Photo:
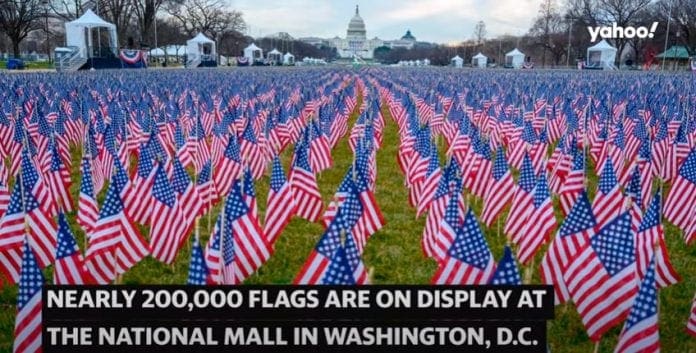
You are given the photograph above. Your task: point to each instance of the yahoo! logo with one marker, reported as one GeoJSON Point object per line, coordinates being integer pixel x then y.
{"type": "Point", "coordinates": [614, 31]}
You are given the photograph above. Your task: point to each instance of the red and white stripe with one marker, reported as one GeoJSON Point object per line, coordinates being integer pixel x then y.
{"type": "Point", "coordinates": [306, 194]}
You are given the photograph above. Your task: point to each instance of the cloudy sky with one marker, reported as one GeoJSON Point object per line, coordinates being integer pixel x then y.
{"type": "Point", "coordinates": [441, 21]}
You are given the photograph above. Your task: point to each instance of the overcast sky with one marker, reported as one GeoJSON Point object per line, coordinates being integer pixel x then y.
{"type": "Point", "coordinates": [441, 21]}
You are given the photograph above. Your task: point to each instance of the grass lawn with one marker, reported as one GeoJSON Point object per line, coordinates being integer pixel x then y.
{"type": "Point", "coordinates": [29, 65]}
{"type": "Point", "coordinates": [394, 254]}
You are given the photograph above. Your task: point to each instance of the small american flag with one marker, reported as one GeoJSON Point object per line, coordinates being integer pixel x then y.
{"type": "Point", "coordinates": [229, 168]}
{"type": "Point", "coordinates": [469, 260]}
{"type": "Point", "coordinates": [609, 200]}
{"type": "Point", "coordinates": [691, 325]}
{"type": "Point", "coordinates": [87, 210]}
{"type": "Point", "coordinates": [426, 189]}
{"type": "Point", "coordinates": [608, 263]}
{"type": "Point", "coordinates": [500, 192]}
{"type": "Point", "coordinates": [42, 227]}
{"type": "Point", "coordinates": [59, 182]}
{"type": "Point", "coordinates": [683, 195]}
{"type": "Point", "coordinates": [339, 271]}
{"type": "Point", "coordinates": [280, 206]}
{"type": "Point", "coordinates": [576, 230]}
{"type": "Point", "coordinates": [168, 227]}
{"type": "Point", "coordinates": [522, 202]}
{"type": "Point", "coordinates": [507, 273]}
{"type": "Point", "coordinates": [650, 244]}
{"type": "Point", "coordinates": [69, 266]}
{"type": "Point", "coordinates": [304, 186]}
{"type": "Point", "coordinates": [640, 332]}
{"type": "Point", "coordinates": [198, 270]}
{"type": "Point", "coordinates": [27, 332]}
{"type": "Point", "coordinates": [244, 246]}
{"type": "Point", "coordinates": [540, 223]}
{"type": "Point", "coordinates": [319, 260]}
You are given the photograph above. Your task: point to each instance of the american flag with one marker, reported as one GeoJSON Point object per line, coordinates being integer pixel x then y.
{"type": "Point", "coordinates": [187, 195]}
{"type": "Point", "coordinates": [206, 188]}
{"type": "Point", "coordinates": [251, 152]}
{"type": "Point", "coordinates": [304, 187]}
{"type": "Point", "coordinates": [522, 202]}
{"type": "Point", "coordinates": [198, 270]}
{"type": "Point", "coordinates": [346, 266]}
{"type": "Point", "coordinates": [500, 191]}
{"type": "Point", "coordinates": [229, 168]}
{"type": "Point", "coordinates": [640, 332]}
{"type": "Point", "coordinates": [507, 273]}
{"type": "Point", "coordinates": [447, 231]}
{"type": "Point", "coordinates": [213, 260]}
{"type": "Point", "coordinates": [137, 198]}
{"type": "Point", "coordinates": [168, 227]}
{"type": "Point", "coordinates": [12, 235]}
{"type": "Point", "coordinates": [602, 277]}
{"type": "Point", "coordinates": [116, 245]}
{"type": "Point", "coordinates": [448, 181]}
{"type": "Point", "coordinates": [319, 260]}
{"type": "Point", "coordinates": [540, 223]}
{"type": "Point", "coordinates": [244, 246]}
{"type": "Point", "coordinates": [280, 206]}
{"type": "Point", "coordinates": [4, 194]}
{"type": "Point", "coordinates": [319, 148]}
{"type": "Point", "coordinates": [87, 209]}
{"type": "Point", "coordinates": [69, 264]}
{"type": "Point", "coordinates": [650, 245]}
{"type": "Point", "coordinates": [683, 195]}
{"type": "Point", "coordinates": [27, 331]}
{"type": "Point", "coordinates": [469, 260]}
{"type": "Point", "coordinates": [418, 166]}
{"type": "Point", "coordinates": [609, 201]}
{"type": "Point", "coordinates": [577, 229]}
{"type": "Point", "coordinates": [59, 182]}
{"type": "Point", "coordinates": [249, 192]}
{"type": "Point", "coordinates": [691, 325]}
{"type": "Point", "coordinates": [425, 190]}
{"type": "Point", "coordinates": [574, 183]}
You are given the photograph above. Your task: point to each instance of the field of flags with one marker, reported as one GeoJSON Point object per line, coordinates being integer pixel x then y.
{"type": "Point", "coordinates": [586, 181]}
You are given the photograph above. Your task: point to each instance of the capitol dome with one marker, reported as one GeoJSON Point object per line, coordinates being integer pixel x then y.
{"type": "Point", "coordinates": [356, 26]}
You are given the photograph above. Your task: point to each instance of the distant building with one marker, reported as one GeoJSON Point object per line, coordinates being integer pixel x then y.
{"type": "Point", "coordinates": [356, 43]}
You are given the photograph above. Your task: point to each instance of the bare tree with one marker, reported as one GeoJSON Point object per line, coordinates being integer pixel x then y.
{"type": "Point", "coordinates": [118, 12]}
{"type": "Point", "coordinates": [146, 11]}
{"type": "Point", "coordinates": [19, 17]}
{"type": "Point", "coordinates": [69, 10]}
{"type": "Point", "coordinates": [211, 17]}
{"type": "Point", "coordinates": [480, 32]}
{"type": "Point", "coordinates": [548, 32]}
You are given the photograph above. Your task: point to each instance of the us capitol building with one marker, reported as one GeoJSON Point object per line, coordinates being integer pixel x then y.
{"type": "Point", "coordinates": [356, 44]}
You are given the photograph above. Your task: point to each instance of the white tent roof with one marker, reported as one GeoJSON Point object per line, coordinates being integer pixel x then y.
{"type": "Point", "coordinates": [90, 20]}
{"type": "Point", "coordinates": [289, 55]}
{"type": "Point", "coordinates": [274, 52]}
{"type": "Point", "coordinates": [200, 38]}
{"type": "Point", "coordinates": [457, 58]}
{"type": "Point", "coordinates": [75, 35]}
{"type": "Point", "coordinates": [602, 45]}
{"type": "Point", "coordinates": [480, 56]}
{"type": "Point", "coordinates": [515, 52]}
{"type": "Point", "coordinates": [252, 46]}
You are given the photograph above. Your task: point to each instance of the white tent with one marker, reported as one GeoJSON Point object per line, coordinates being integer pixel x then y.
{"type": "Point", "coordinates": [275, 56]}
{"type": "Point", "coordinates": [479, 60]}
{"type": "Point", "coordinates": [601, 55]}
{"type": "Point", "coordinates": [200, 48]}
{"type": "Point", "coordinates": [514, 59]}
{"type": "Point", "coordinates": [457, 61]}
{"type": "Point", "coordinates": [288, 59]}
{"type": "Point", "coordinates": [78, 33]}
{"type": "Point", "coordinates": [253, 53]}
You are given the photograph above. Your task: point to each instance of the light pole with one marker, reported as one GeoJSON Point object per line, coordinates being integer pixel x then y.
{"type": "Point", "coordinates": [48, 44]}
{"type": "Point", "coordinates": [669, 19]}
{"type": "Point", "coordinates": [570, 27]}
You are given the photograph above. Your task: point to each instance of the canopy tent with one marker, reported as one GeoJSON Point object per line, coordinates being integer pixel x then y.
{"type": "Point", "coordinates": [78, 33]}
{"type": "Point", "coordinates": [200, 47]}
{"type": "Point", "coordinates": [457, 61]}
{"type": "Point", "coordinates": [479, 60]}
{"type": "Point", "coordinates": [274, 57]}
{"type": "Point", "coordinates": [288, 59]}
{"type": "Point", "coordinates": [253, 53]}
{"type": "Point", "coordinates": [601, 56]}
{"type": "Point", "coordinates": [676, 56]}
{"type": "Point", "coordinates": [170, 50]}
{"type": "Point", "coordinates": [514, 59]}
